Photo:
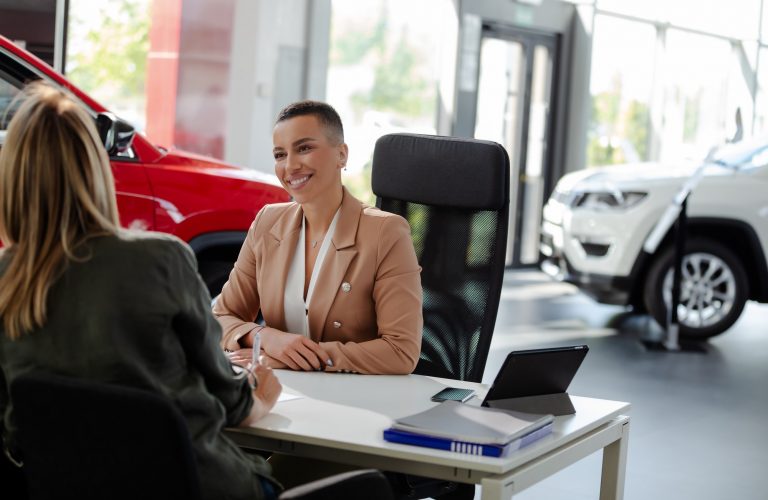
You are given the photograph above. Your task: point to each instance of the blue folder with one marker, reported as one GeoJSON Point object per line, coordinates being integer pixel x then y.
{"type": "Point", "coordinates": [488, 450]}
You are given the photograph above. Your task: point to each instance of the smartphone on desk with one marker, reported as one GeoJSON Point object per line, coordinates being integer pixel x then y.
{"type": "Point", "coordinates": [453, 394]}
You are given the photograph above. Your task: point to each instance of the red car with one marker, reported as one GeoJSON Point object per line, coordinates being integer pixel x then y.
{"type": "Point", "coordinates": [203, 201]}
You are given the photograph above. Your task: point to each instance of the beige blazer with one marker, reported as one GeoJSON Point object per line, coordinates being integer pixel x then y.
{"type": "Point", "coordinates": [366, 307]}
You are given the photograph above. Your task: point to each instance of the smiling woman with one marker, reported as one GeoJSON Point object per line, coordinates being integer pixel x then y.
{"type": "Point", "coordinates": [337, 281]}
{"type": "Point", "coordinates": [309, 153]}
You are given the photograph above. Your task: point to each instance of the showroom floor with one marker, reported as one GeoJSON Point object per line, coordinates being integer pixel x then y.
{"type": "Point", "coordinates": [699, 427]}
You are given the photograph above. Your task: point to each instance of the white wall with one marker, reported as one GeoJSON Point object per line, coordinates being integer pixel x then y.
{"type": "Point", "coordinates": [269, 70]}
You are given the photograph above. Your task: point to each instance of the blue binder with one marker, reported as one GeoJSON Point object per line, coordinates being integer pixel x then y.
{"type": "Point", "coordinates": [488, 450]}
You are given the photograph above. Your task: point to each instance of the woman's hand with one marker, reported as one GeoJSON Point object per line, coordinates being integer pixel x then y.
{"type": "Point", "coordinates": [268, 389]}
{"type": "Point", "coordinates": [241, 357]}
{"type": "Point", "coordinates": [271, 362]}
{"type": "Point", "coordinates": [264, 395]}
{"type": "Point", "coordinates": [294, 351]}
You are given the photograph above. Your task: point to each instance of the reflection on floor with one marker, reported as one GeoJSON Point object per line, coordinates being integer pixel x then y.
{"type": "Point", "coordinates": [699, 428]}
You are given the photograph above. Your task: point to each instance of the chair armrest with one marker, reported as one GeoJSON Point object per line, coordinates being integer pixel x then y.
{"type": "Point", "coordinates": [367, 483]}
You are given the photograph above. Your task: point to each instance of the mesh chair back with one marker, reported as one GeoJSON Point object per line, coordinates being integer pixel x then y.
{"type": "Point", "coordinates": [83, 439]}
{"type": "Point", "coordinates": [454, 192]}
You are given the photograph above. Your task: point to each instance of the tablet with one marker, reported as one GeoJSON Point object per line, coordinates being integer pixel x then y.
{"type": "Point", "coordinates": [536, 372]}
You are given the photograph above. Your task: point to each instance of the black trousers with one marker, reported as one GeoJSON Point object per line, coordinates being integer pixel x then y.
{"type": "Point", "coordinates": [14, 484]}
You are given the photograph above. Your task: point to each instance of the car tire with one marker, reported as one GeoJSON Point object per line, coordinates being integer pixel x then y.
{"type": "Point", "coordinates": [214, 273]}
{"type": "Point", "coordinates": [714, 288]}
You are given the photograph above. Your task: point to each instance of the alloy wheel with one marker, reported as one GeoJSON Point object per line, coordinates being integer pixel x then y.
{"type": "Point", "coordinates": [707, 290]}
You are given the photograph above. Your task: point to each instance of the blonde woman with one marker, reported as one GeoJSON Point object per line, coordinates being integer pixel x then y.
{"type": "Point", "coordinates": [81, 297]}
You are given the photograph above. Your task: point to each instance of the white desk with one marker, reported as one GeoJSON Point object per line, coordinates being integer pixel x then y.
{"type": "Point", "coordinates": [341, 417]}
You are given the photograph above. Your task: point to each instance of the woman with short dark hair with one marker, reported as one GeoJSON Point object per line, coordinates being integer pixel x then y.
{"type": "Point", "coordinates": [337, 281]}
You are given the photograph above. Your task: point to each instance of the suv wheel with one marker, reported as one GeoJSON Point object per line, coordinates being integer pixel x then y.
{"type": "Point", "coordinates": [214, 273]}
{"type": "Point", "coordinates": [713, 290]}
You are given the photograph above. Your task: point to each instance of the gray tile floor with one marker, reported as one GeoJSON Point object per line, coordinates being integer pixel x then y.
{"type": "Point", "coordinates": [699, 427]}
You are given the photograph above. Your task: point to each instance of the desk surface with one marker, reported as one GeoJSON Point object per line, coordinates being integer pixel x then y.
{"type": "Point", "coordinates": [349, 412]}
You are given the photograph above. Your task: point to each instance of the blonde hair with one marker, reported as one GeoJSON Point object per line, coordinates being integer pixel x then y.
{"type": "Point", "coordinates": [56, 191]}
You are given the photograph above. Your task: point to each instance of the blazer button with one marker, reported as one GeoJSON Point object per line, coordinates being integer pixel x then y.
{"type": "Point", "coordinates": [346, 287]}
{"type": "Point", "coordinates": [337, 324]}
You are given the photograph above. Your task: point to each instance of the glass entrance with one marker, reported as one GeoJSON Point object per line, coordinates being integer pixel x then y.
{"type": "Point", "coordinates": [515, 96]}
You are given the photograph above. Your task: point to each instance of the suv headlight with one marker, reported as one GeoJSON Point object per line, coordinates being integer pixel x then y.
{"type": "Point", "coordinates": [607, 200]}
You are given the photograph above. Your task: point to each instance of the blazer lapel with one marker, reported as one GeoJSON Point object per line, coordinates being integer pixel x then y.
{"type": "Point", "coordinates": [337, 261]}
{"type": "Point", "coordinates": [279, 248]}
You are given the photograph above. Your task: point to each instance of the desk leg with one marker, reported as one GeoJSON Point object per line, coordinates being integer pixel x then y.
{"type": "Point", "coordinates": [497, 489]}
{"type": "Point", "coordinates": [614, 467]}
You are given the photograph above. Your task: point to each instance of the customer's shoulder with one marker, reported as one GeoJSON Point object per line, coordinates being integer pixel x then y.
{"type": "Point", "coordinates": [144, 243]}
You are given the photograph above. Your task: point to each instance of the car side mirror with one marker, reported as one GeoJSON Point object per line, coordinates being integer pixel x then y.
{"type": "Point", "coordinates": [116, 134]}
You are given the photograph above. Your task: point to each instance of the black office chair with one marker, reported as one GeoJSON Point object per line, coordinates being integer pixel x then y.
{"type": "Point", "coordinates": [83, 439]}
{"type": "Point", "coordinates": [454, 192]}
{"type": "Point", "coordinates": [12, 482]}
{"type": "Point", "coordinates": [88, 440]}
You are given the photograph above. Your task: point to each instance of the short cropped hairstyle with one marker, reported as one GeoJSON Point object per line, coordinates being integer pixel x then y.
{"type": "Point", "coordinates": [325, 114]}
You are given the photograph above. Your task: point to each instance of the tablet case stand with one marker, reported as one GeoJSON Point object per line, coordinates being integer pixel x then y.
{"type": "Point", "coordinates": [555, 404]}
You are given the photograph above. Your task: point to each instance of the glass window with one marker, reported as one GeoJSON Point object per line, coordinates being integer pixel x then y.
{"type": "Point", "coordinates": [647, 9]}
{"type": "Point", "coordinates": [733, 18]}
{"type": "Point", "coordinates": [12, 79]}
{"type": "Point", "coordinates": [621, 86]}
{"type": "Point", "coordinates": [383, 74]}
{"type": "Point", "coordinates": [502, 76]}
{"type": "Point", "coordinates": [741, 90]}
{"type": "Point", "coordinates": [704, 87]}
{"type": "Point", "coordinates": [764, 23]}
{"type": "Point", "coordinates": [8, 92]}
{"type": "Point", "coordinates": [761, 107]}
{"type": "Point", "coordinates": [107, 46]}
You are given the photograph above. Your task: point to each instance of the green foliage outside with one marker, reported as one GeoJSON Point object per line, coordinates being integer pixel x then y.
{"type": "Point", "coordinates": [605, 108]}
{"type": "Point", "coordinates": [399, 86]}
{"type": "Point", "coordinates": [355, 44]}
{"type": "Point", "coordinates": [691, 117]}
{"type": "Point", "coordinates": [114, 62]}
{"type": "Point", "coordinates": [638, 123]}
{"type": "Point", "coordinates": [359, 184]}
{"type": "Point", "coordinates": [417, 219]}
{"type": "Point", "coordinates": [613, 121]}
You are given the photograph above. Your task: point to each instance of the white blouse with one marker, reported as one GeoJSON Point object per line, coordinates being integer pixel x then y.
{"type": "Point", "coordinates": [296, 307]}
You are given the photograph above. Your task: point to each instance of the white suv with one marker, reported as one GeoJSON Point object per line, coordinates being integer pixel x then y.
{"type": "Point", "coordinates": [597, 221]}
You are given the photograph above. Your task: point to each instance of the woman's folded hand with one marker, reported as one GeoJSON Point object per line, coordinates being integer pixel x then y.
{"type": "Point", "coordinates": [294, 351]}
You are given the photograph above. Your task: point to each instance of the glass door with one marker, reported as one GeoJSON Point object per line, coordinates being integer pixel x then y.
{"type": "Point", "coordinates": [515, 95]}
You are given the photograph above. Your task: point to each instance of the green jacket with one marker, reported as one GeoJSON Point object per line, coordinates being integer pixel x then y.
{"type": "Point", "coordinates": [136, 313]}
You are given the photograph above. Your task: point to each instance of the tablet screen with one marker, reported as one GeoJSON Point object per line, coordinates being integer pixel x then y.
{"type": "Point", "coordinates": [536, 371]}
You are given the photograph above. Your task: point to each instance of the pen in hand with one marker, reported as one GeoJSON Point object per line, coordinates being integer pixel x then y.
{"type": "Point", "coordinates": [254, 364]}
{"type": "Point", "coordinates": [256, 349]}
